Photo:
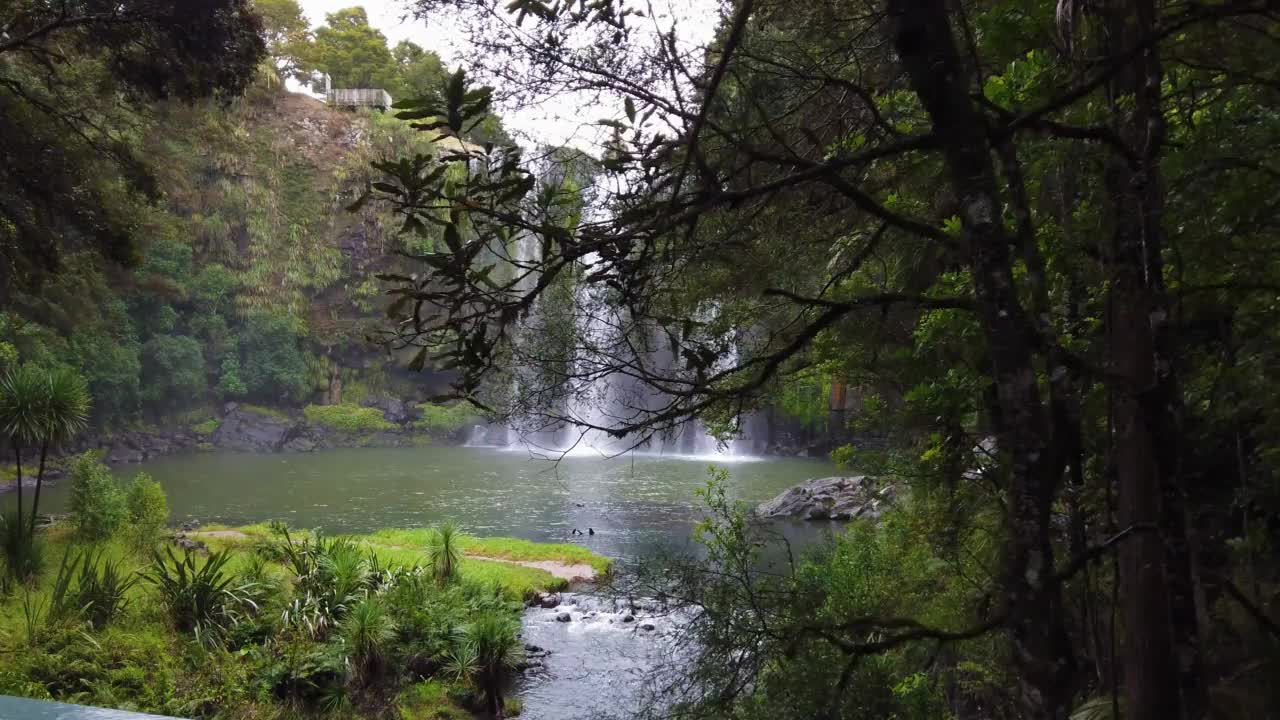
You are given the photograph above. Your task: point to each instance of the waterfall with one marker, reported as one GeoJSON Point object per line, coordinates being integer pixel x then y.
{"type": "Point", "coordinates": [598, 394]}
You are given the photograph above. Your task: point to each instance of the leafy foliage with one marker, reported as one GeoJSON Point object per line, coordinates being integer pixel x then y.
{"type": "Point", "coordinates": [273, 364]}
{"type": "Point", "coordinates": [176, 364]}
{"type": "Point", "coordinates": [444, 552]}
{"type": "Point", "coordinates": [444, 420]}
{"type": "Point", "coordinates": [348, 418]}
{"type": "Point", "coordinates": [148, 510]}
{"type": "Point", "coordinates": [368, 630]}
{"type": "Point", "coordinates": [97, 505]}
{"type": "Point", "coordinates": [22, 552]}
{"type": "Point", "coordinates": [204, 598]}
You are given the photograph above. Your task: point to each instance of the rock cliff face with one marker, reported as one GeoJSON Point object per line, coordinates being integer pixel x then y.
{"type": "Point", "coordinates": [833, 498]}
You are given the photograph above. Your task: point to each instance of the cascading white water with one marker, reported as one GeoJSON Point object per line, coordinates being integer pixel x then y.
{"type": "Point", "coordinates": [599, 395]}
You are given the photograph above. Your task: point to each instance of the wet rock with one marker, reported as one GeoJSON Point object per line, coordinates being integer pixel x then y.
{"type": "Point", "coordinates": [51, 519]}
{"type": "Point", "coordinates": [28, 482]}
{"type": "Point", "coordinates": [248, 431]}
{"type": "Point", "coordinates": [299, 443]}
{"type": "Point", "coordinates": [648, 627]}
{"type": "Point", "coordinates": [190, 525]}
{"type": "Point", "coordinates": [124, 455]}
{"type": "Point", "coordinates": [628, 618]}
{"type": "Point", "coordinates": [187, 543]}
{"type": "Point", "coordinates": [833, 498]}
{"type": "Point", "coordinates": [564, 617]}
{"type": "Point", "coordinates": [549, 601]}
{"type": "Point", "coordinates": [396, 411]}
{"type": "Point", "coordinates": [532, 649]}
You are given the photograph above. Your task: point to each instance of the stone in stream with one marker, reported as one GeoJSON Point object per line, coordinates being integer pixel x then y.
{"type": "Point", "coordinates": [648, 626]}
{"type": "Point", "coordinates": [628, 618]}
{"type": "Point", "coordinates": [833, 498]}
{"type": "Point", "coordinates": [564, 617]}
{"type": "Point", "coordinates": [549, 601]}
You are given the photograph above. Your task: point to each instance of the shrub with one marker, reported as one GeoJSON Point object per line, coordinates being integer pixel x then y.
{"type": "Point", "coordinates": [432, 699]}
{"type": "Point", "coordinates": [100, 593]}
{"type": "Point", "coordinates": [23, 553]}
{"type": "Point", "coordinates": [148, 510]}
{"type": "Point", "coordinates": [444, 552]}
{"type": "Point", "coordinates": [205, 599]}
{"type": "Point", "coordinates": [229, 382]}
{"type": "Point", "coordinates": [348, 418]}
{"type": "Point", "coordinates": [368, 631]}
{"type": "Point", "coordinates": [331, 577]}
{"type": "Point", "coordinates": [487, 653]}
{"type": "Point", "coordinates": [97, 504]}
{"type": "Point", "coordinates": [207, 428]}
{"type": "Point", "coordinates": [445, 419]}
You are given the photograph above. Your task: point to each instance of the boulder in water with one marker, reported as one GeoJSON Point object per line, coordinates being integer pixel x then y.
{"type": "Point", "coordinates": [833, 498]}
{"type": "Point", "coordinates": [549, 601]}
{"type": "Point", "coordinates": [564, 617]}
{"type": "Point", "coordinates": [648, 627]}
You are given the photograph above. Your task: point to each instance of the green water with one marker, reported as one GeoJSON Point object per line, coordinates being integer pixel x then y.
{"type": "Point", "coordinates": [632, 504]}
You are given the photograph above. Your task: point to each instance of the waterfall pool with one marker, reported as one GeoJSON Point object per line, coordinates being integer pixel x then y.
{"type": "Point", "coordinates": [598, 663]}
{"type": "Point", "coordinates": [633, 504]}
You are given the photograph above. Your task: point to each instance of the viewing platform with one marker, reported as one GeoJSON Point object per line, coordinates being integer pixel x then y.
{"type": "Point", "coordinates": [358, 98]}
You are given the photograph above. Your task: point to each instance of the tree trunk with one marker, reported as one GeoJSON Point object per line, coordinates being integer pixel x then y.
{"type": "Point", "coordinates": [35, 503]}
{"type": "Point", "coordinates": [1038, 639]}
{"type": "Point", "coordinates": [1161, 667]}
{"type": "Point", "coordinates": [17, 454]}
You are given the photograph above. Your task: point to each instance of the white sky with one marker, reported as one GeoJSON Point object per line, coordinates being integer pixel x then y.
{"type": "Point", "coordinates": [558, 122]}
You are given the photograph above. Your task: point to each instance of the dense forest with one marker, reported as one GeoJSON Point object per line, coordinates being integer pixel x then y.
{"type": "Point", "coordinates": [209, 258]}
{"type": "Point", "coordinates": [1014, 262]}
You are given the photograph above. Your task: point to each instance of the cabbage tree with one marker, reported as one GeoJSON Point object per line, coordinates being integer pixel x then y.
{"type": "Point", "coordinates": [40, 408]}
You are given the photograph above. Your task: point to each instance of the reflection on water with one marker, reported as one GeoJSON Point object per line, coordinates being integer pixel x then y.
{"type": "Point", "coordinates": [634, 504]}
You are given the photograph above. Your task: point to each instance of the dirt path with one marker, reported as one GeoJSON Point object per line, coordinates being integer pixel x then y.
{"type": "Point", "coordinates": [580, 572]}
{"type": "Point", "coordinates": [573, 572]}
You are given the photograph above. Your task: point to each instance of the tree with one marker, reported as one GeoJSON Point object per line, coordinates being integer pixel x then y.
{"type": "Point", "coordinates": [272, 364]}
{"type": "Point", "coordinates": [353, 53]}
{"type": "Point", "coordinates": [174, 368]}
{"type": "Point", "coordinates": [824, 174]}
{"type": "Point", "coordinates": [420, 73]}
{"type": "Point", "coordinates": [44, 408]}
{"type": "Point", "coordinates": [64, 67]}
{"type": "Point", "coordinates": [287, 32]}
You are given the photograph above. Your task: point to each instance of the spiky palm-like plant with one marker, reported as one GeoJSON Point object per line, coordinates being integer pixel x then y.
{"type": "Point", "coordinates": [66, 414]}
{"type": "Point", "coordinates": [23, 414]}
{"type": "Point", "coordinates": [444, 551]}
{"type": "Point", "coordinates": [39, 407]}
{"type": "Point", "coordinates": [368, 630]}
{"type": "Point", "coordinates": [491, 644]}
